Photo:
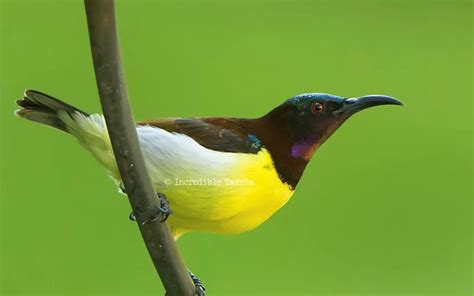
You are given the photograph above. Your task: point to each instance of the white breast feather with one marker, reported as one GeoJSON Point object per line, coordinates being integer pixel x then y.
{"type": "Point", "coordinates": [172, 155]}
{"type": "Point", "coordinates": [168, 156]}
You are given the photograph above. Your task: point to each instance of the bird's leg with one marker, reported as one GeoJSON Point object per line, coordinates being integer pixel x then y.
{"type": "Point", "coordinates": [200, 289]}
{"type": "Point", "coordinates": [161, 212]}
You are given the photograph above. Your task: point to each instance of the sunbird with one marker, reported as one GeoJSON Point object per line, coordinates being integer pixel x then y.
{"type": "Point", "coordinates": [216, 174]}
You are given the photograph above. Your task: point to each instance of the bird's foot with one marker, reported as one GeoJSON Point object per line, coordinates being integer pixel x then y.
{"type": "Point", "coordinates": [200, 289]}
{"type": "Point", "coordinates": [161, 212]}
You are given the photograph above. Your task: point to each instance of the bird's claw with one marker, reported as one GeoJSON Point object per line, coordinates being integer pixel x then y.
{"type": "Point", "coordinates": [200, 289]}
{"type": "Point", "coordinates": [161, 212]}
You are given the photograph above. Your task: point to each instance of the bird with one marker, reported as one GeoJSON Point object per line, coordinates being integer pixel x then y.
{"type": "Point", "coordinates": [215, 174]}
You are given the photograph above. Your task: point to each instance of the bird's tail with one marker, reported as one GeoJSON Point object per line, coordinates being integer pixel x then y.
{"type": "Point", "coordinates": [42, 108]}
{"type": "Point", "coordinates": [89, 129]}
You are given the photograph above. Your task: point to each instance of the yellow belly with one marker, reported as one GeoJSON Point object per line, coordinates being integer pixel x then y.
{"type": "Point", "coordinates": [235, 200]}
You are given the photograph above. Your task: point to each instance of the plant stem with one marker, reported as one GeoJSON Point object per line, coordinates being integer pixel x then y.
{"type": "Point", "coordinates": [123, 135]}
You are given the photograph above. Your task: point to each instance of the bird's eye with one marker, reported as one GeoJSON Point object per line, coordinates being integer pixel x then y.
{"type": "Point", "coordinates": [317, 107]}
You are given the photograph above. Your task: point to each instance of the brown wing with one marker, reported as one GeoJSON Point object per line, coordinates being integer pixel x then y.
{"type": "Point", "coordinates": [219, 134]}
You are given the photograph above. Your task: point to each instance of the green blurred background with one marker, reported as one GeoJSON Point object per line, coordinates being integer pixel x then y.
{"type": "Point", "coordinates": [384, 208]}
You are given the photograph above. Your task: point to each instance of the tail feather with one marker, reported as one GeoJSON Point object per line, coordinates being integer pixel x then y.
{"type": "Point", "coordinates": [89, 129]}
{"type": "Point", "coordinates": [42, 108]}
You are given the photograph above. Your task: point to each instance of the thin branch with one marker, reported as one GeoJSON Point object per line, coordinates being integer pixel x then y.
{"type": "Point", "coordinates": [123, 135]}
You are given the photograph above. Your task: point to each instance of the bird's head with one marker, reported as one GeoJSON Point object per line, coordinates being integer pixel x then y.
{"type": "Point", "coordinates": [309, 119]}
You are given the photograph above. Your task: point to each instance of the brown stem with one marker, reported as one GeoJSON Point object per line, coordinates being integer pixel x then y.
{"type": "Point", "coordinates": [123, 135]}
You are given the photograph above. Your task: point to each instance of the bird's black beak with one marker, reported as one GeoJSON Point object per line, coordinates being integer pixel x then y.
{"type": "Point", "coordinates": [353, 105]}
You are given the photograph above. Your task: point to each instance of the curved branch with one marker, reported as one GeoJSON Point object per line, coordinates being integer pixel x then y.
{"type": "Point", "coordinates": [123, 135]}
